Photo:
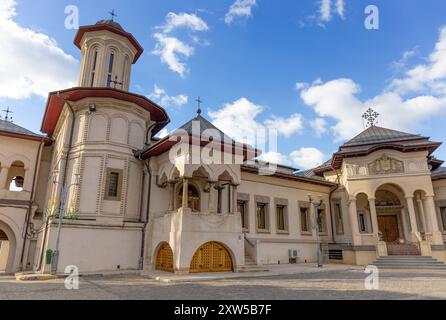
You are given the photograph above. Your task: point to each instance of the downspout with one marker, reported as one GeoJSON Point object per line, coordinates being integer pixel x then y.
{"type": "Point", "coordinates": [143, 241]}
{"type": "Point", "coordinates": [31, 200]}
{"type": "Point", "coordinates": [70, 107]}
{"type": "Point", "coordinates": [331, 207]}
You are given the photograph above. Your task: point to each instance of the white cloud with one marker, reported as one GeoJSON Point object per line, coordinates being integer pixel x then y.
{"type": "Point", "coordinates": [307, 158]}
{"type": "Point", "coordinates": [31, 62]}
{"type": "Point", "coordinates": [286, 126]}
{"type": "Point", "coordinates": [162, 134]}
{"type": "Point", "coordinates": [340, 8]}
{"type": "Point", "coordinates": [319, 126]}
{"type": "Point", "coordinates": [173, 51]}
{"type": "Point", "coordinates": [169, 49]}
{"type": "Point", "coordinates": [325, 10]}
{"type": "Point", "coordinates": [184, 20]}
{"type": "Point", "coordinates": [337, 100]}
{"type": "Point", "coordinates": [275, 158]}
{"type": "Point", "coordinates": [239, 9]}
{"type": "Point", "coordinates": [429, 77]}
{"type": "Point", "coordinates": [238, 120]}
{"type": "Point", "coordinates": [160, 96]}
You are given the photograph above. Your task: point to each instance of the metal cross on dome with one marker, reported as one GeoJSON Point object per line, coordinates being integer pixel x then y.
{"type": "Point", "coordinates": [113, 15]}
{"type": "Point", "coordinates": [199, 102]}
{"type": "Point", "coordinates": [370, 116]}
{"type": "Point", "coordinates": [7, 112]}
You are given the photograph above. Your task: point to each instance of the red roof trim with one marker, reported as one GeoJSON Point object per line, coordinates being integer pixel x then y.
{"type": "Point", "coordinates": [46, 140]}
{"type": "Point", "coordinates": [55, 105]}
{"type": "Point", "coordinates": [99, 27]}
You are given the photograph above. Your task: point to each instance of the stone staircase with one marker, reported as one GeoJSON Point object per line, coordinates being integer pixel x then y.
{"type": "Point", "coordinates": [409, 262]}
{"type": "Point", "coordinates": [251, 266]}
{"type": "Point", "coordinates": [406, 249]}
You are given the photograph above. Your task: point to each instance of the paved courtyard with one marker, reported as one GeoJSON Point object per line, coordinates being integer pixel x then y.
{"type": "Point", "coordinates": [326, 285]}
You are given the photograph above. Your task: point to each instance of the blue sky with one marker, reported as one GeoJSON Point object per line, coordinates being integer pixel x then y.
{"type": "Point", "coordinates": [306, 68]}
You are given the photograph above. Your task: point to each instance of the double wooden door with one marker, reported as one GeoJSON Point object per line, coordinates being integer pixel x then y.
{"type": "Point", "coordinates": [164, 258]}
{"type": "Point", "coordinates": [388, 225]}
{"type": "Point", "coordinates": [211, 257]}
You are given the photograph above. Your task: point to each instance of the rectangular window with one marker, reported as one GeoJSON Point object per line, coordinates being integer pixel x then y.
{"type": "Point", "coordinates": [321, 220]}
{"type": "Point", "coordinates": [261, 216]}
{"type": "Point", "coordinates": [338, 217]}
{"type": "Point", "coordinates": [113, 185]}
{"type": "Point", "coordinates": [362, 222]}
{"type": "Point", "coordinates": [304, 220]}
{"type": "Point", "coordinates": [443, 217]}
{"type": "Point", "coordinates": [242, 209]}
{"type": "Point", "coordinates": [110, 69]}
{"type": "Point", "coordinates": [94, 67]}
{"type": "Point", "coordinates": [280, 218]}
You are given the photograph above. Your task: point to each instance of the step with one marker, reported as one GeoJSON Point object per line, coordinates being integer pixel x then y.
{"type": "Point", "coordinates": [399, 266]}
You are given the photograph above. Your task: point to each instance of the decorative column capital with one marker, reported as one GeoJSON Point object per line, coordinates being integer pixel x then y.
{"type": "Point", "coordinates": [372, 199]}
{"type": "Point", "coordinates": [408, 197]}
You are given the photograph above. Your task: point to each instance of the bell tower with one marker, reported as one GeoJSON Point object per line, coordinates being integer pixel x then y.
{"type": "Point", "coordinates": [108, 52]}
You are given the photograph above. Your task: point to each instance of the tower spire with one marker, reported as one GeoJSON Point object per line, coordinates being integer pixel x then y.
{"type": "Point", "coordinates": [113, 15]}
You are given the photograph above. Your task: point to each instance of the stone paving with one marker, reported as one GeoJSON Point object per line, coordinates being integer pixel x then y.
{"type": "Point", "coordinates": [346, 284]}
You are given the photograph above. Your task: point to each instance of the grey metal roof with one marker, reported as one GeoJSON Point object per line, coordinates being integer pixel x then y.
{"type": "Point", "coordinates": [111, 23]}
{"type": "Point", "coordinates": [204, 125]}
{"type": "Point", "coordinates": [375, 134]}
{"type": "Point", "coordinates": [441, 171]}
{"type": "Point", "coordinates": [13, 128]}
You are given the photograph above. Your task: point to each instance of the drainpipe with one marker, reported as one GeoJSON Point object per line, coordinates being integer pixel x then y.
{"type": "Point", "coordinates": [31, 199]}
{"type": "Point", "coordinates": [141, 258]}
{"type": "Point", "coordinates": [331, 207]}
{"type": "Point", "coordinates": [70, 107]}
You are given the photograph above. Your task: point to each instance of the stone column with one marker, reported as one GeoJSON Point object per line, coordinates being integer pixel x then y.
{"type": "Point", "coordinates": [3, 177]}
{"type": "Point", "coordinates": [412, 217]}
{"type": "Point", "coordinates": [172, 196]}
{"type": "Point", "coordinates": [374, 217]}
{"type": "Point", "coordinates": [422, 215]}
{"type": "Point", "coordinates": [234, 198]}
{"type": "Point", "coordinates": [211, 204]}
{"type": "Point", "coordinates": [353, 214]}
{"type": "Point", "coordinates": [27, 181]}
{"type": "Point", "coordinates": [432, 214]}
{"type": "Point", "coordinates": [185, 193]}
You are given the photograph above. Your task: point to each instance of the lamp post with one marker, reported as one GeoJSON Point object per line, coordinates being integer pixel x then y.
{"type": "Point", "coordinates": [65, 189]}
{"type": "Point", "coordinates": [315, 206]}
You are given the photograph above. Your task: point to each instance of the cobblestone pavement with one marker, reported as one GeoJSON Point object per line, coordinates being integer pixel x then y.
{"type": "Point", "coordinates": [326, 285]}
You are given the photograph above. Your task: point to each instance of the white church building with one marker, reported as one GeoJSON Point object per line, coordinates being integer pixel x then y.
{"type": "Point", "coordinates": [97, 190]}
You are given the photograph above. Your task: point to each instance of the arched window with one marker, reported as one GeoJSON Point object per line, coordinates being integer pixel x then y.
{"type": "Point", "coordinates": [93, 67]}
{"type": "Point", "coordinates": [110, 69]}
{"type": "Point", "coordinates": [193, 198]}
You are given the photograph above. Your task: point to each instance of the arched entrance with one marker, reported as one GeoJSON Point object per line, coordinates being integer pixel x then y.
{"type": "Point", "coordinates": [164, 258]}
{"type": "Point", "coordinates": [211, 257]}
{"type": "Point", "coordinates": [7, 248]}
{"type": "Point", "coordinates": [390, 213]}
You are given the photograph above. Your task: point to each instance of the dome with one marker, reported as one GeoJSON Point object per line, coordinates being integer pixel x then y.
{"type": "Point", "coordinates": [110, 23]}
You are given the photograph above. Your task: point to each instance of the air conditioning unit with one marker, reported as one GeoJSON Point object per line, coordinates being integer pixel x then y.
{"type": "Point", "coordinates": [293, 255]}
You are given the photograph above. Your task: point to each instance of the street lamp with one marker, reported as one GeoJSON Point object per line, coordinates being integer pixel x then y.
{"type": "Point", "coordinates": [65, 189]}
{"type": "Point", "coordinates": [314, 207]}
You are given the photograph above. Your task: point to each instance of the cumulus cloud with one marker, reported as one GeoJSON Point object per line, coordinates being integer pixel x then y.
{"type": "Point", "coordinates": [275, 158]}
{"type": "Point", "coordinates": [239, 120]}
{"type": "Point", "coordinates": [325, 10]}
{"type": "Point", "coordinates": [173, 51]}
{"type": "Point", "coordinates": [337, 99]}
{"type": "Point", "coordinates": [307, 158]}
{"type": "Point", "coordinates": [429, 77]}
{"type": "Point", "coordinates": [184, 20]}
{"type": "Point", "coordinates": [31, 63]}
{"type": "Point", "coordinates": [239, 9]}
{"type": "Point", "coordinates": [340, 8]}
{"type": "Point", "coordinates": [410, 100]}
{"type": "Point", "coordinates": [160, 96]}
{"type": "Point", "coordinates": [319, 126]}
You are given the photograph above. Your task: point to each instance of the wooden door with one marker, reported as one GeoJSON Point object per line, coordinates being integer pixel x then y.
{"type": "Point", "coordinates": [164, 258]}
{"type": "Point", "coordinates": [211, 257]}
{"type": "Point", "coordinates": [388, 225]}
